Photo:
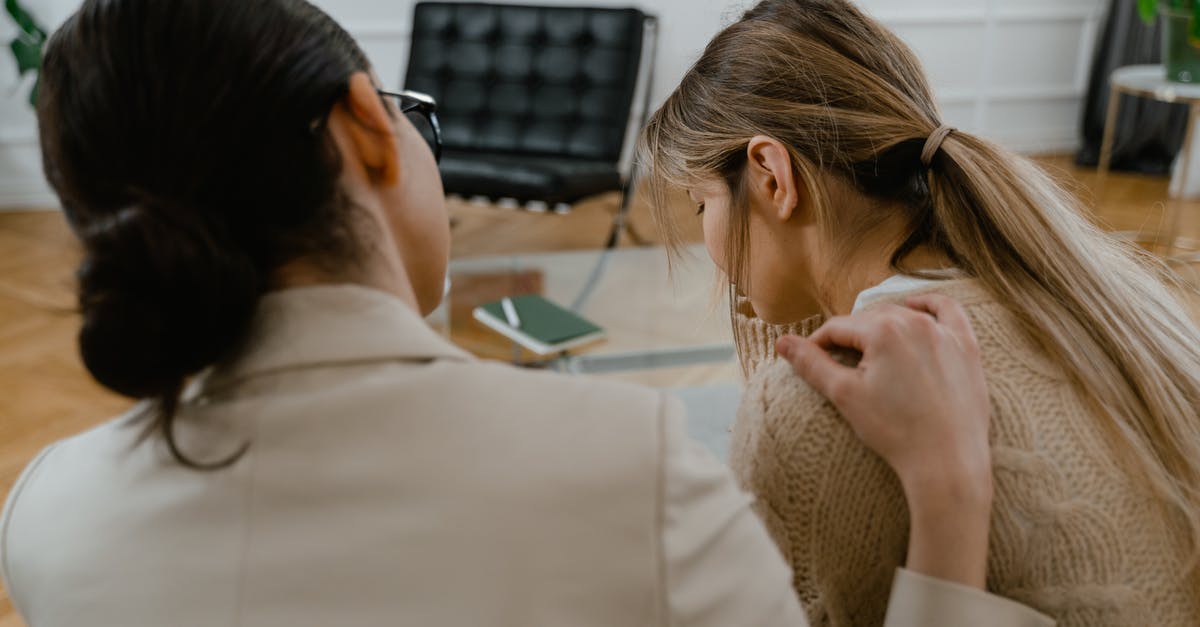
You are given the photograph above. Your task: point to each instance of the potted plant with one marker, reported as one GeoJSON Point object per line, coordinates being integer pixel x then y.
{"type": "Point", "coordinates": [1181, 35]}
{"type": "Point", "coordinates": [27, 45]}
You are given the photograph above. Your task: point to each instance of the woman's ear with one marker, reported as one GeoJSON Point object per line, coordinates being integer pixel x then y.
{"type": "Point", "coordinates": [368, 130]}
{"type": "Point", "coordinates": [772, 177]}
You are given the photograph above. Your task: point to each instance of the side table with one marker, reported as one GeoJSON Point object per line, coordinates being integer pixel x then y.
{"type": "Point", "coordinates": [1150, 81]}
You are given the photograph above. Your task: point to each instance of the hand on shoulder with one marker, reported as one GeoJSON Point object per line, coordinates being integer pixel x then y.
{"type": "Point", "coordinates": [918, 398]}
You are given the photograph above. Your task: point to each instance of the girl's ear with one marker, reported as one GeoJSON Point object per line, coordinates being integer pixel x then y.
{"type": "Point", "coordinates": [772, 178]}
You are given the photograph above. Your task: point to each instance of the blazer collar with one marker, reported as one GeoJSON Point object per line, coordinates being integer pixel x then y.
{"type": "Point", "coordinates": [333, 324]}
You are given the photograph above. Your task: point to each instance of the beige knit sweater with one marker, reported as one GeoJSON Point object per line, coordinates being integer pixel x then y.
{"type": "Point", "coordinates": [1072, 535]}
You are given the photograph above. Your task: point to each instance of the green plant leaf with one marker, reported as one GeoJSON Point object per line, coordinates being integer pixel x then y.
{"type": "Point", "coordinates": [27, 46]}
{"type": "Point", "coordinates": [1148, 9]}
{"type": "Point", "coordinates": [27, 54]}
{"type": "Point", "coordinates": [24, 20]}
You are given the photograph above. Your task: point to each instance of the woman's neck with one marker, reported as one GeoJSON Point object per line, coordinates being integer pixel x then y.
{"type": "Point", "coordinates": [868, 269]}
{"type": "Point", "coordinates": [377, 272]}
{"type": "Point", "coordinates": [378, 264]}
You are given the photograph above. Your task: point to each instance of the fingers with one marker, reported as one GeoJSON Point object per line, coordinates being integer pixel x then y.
{"type": "Point", "coordinates": [831, 379]}
{"type": "Point", "coordinates": [893, 325]}
{"type": "Point", "coordinates": [860, 330]}
{"type": "Point", "coordinates": [945, 309]}
{"type": "Point", "coordinates": [842, 331]}
{"type": "Point", "coordinates": [948, 312]}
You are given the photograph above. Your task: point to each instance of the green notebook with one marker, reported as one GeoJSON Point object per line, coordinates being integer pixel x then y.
{"type": "Point", "coordinates": [544, 327]}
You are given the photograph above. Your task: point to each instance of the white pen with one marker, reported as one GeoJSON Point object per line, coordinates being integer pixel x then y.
{"type": "Point", "coordinates": [510, 312]}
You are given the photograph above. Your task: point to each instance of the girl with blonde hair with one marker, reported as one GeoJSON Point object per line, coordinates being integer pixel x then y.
{"type": "Point", "coordinates": [809, 139]}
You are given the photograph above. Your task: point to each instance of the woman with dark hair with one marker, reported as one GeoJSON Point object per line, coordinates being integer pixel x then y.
{"type": "Point", "coordinates": [263, 230]}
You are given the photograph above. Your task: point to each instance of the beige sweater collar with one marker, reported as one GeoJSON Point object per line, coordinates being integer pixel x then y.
{"type": "Point", "coordinates": [756, 338]}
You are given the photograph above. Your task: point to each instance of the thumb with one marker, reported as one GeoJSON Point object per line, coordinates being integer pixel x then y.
{"type": "Point", "coordinates": [817, 367]}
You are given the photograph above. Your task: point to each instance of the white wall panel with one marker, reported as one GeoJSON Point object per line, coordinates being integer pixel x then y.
{"type": "Point", "coordinates": [1035, 125]}
{"type": "Point", "coordinates": [1047, 54]}
{"type": "Point", "coordinates": [1013, 70]}
{"type": "Point", "coordinates": [958, 114]}
{"type": "Point", "coordinates": [952, 54]}
{"type": "Point", "coordinates": [922, 9]}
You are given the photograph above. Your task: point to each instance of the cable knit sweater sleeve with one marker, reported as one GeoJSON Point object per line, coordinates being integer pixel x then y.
{"type": "Point", "coordinates": [792, 450]}
{"type": "Point", "coordinates": [756, 339]}
{"type": "Point", "coordinates": [1072, 535]}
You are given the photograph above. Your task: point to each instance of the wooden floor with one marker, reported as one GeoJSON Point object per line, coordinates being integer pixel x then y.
{"type": "Point", "coordinates": [46, 395]}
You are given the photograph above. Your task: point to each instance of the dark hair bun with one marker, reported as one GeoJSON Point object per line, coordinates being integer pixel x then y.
{"type": "Point", "coordinates": [193, 164]}
{"type": "Point", "coordinates": [165, 291]}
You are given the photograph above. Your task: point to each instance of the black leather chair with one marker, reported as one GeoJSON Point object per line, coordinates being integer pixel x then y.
{"type": "Point", "coordinates": [535, 102]}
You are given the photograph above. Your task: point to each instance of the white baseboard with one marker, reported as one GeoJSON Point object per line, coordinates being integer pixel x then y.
{"type": "Point", "coordinates": [32, 196]}
{"type": "Point", "coordinates": [1065, 141]}
{"type": "Point", "coordinates": [22, 184]}
{"type": "Point", "coordinates": [23, 197]}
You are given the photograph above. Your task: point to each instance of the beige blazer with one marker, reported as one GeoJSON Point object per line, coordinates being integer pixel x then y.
{"type": "Point", "coordinates": [392, 479]}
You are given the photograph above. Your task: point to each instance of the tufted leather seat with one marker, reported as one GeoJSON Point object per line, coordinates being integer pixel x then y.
{"type": "Point", "coordinates": [534, 101]}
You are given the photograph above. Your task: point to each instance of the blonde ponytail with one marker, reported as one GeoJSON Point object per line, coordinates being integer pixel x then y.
{"type": "Point", "coordinates": [1102, 309]}
{"type": "Point", "coordinates": [851, 102]}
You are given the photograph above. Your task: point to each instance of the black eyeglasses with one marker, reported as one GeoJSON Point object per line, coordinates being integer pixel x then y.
{"type": "Point", "coordinates": [421, 111]}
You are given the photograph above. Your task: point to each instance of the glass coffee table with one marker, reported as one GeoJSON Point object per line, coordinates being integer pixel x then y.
{"type": "Point", "coordinates": [666, 321]}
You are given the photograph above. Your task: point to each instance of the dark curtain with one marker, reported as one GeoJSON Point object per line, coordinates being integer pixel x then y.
{"type": "Point", "coordinates": [1149, 133]}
